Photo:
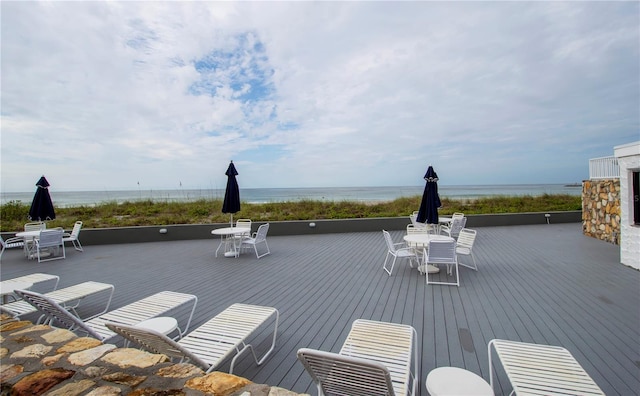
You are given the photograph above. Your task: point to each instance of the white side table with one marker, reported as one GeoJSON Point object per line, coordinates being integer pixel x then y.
{"type": "Point", "coordinates": [162, 324]}
{"type": "Point", "coordinates": [454, 381]}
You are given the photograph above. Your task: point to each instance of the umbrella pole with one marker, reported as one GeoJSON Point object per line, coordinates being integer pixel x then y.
{"type": "Point", "coordinates": [231, 220]}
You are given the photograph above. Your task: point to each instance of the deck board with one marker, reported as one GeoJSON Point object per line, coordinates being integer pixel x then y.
{"type": "Point", "coordinates": [546, 284]}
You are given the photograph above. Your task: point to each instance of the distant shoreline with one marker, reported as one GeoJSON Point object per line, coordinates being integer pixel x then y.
{"type": "Point", "coordinates": [368, 195]}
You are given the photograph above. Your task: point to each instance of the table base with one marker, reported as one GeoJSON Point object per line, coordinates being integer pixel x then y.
{"type": "Point", "coordinates": [432, 269]}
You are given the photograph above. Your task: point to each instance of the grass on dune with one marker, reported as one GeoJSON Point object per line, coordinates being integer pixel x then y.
{"type": "Point", "coordinates": [13, 215]}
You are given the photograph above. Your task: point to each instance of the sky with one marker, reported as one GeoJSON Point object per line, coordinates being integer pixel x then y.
{"type": "Point", "coordinates": [162, 95]}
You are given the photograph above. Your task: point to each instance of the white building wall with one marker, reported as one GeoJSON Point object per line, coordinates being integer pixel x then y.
{"type": "Point", "coordinates": [629, 160]}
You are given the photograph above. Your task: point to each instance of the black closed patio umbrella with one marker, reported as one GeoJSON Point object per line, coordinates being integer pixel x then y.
{"type": "Point", "coordinates": [41, 206]}
{"type": "Point", "coordinates": [231, 203]}
{"type": "Point", "coordinates": [430, 203]}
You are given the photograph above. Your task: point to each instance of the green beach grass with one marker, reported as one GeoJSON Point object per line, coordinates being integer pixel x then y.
{"type": "Point", "coordinates": [13, 215]}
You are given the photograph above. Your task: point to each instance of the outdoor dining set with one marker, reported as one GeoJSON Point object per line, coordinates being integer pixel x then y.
{"type": "Point", "coordinates": [432, 245]}
{"type": "Point", "coordinates": [39, 242]}
{"type": "Point", "coordinates": [238, 237]}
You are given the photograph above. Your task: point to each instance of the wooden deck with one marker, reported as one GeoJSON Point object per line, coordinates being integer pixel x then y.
{"type": "Point", "coordinates": [545, 284]}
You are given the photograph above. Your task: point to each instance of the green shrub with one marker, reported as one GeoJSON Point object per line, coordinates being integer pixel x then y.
{"type": "Point", "coordinates": [13, 214]}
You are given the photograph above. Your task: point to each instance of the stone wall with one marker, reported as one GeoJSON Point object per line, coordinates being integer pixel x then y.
{"type": "Point", "coordinates": [601, 209]}
{"type": "Point", "coordinates": [41, 360]}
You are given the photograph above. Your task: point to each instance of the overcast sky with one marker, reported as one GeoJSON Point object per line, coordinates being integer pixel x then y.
{"type": "Point", "coordinates": [106, 95]}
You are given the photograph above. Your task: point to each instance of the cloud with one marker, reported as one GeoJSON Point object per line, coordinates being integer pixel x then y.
{"type": "Point", "coordinates": [101, 95]}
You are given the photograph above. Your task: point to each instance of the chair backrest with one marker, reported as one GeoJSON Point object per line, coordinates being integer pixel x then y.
{"type": "Point", "coordinates": [414, 218]}
{"type": "Point", "coordinates": [244, 223]}
{"type": "Point", "coordinates": [56, 313]}
{"type": "Point", "coordinates": [389, 241]}
{"type": "Point", "coordinates": [261, 234]}
{"type": "Point", "coordinates": [50, 238]}
{"type": "Point", "coordinates": [412, 229]}
{"type": "Point", "coordinates": [76, 229]}
{"type": "Point", "coordinates": [457, 214]}
{"type": "Point", "coordinates": [441, 252]}
{"type": "Point", "coordinates": [336, 374]}
{"type": "Point", "coordinates": [155, 342]}
{"type": "Point", "coordinates": [35, 226]}
{"type": "Point", "coordinates": [457, 224]}
{"type": "Point", "coordinates": [466, 238]}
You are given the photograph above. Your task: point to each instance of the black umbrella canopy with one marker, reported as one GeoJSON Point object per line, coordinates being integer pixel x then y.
{"type": "Point", "coordinates": [41, 206]}
{"type": "Point", "coordinates": [231, 203]}
{"type": "Point", "coordinates": [428, 212]}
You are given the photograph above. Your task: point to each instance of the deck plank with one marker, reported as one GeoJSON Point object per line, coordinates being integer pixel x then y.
{"type": "Point", "coordinates": [546, 284]}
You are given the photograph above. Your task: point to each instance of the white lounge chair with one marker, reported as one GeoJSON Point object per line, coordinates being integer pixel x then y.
{"type": "Point", "coordinates": [73, 237]}
{"type": "Point", "coordinates": [209, 345]}
{"type": "Point", "coordinates": [397, 250]}
{"type": "Point", "coordinates": [15, 242]}
{"type": "Point", "coordinates": [153, 306]}
{"type": "Point", "coordinates": [377, 358]}
{"type": "Point", "coordinates": [38, 280]}
{"type": "Point", "coordinates": [68, 297]}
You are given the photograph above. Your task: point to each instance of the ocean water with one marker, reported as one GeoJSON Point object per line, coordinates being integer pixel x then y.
{"type": "Point", "coordinates": [263, 195]}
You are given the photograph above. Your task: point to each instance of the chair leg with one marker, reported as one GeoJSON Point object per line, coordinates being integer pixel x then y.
{"type": "Point", "coordinates": [473, 259]}
{"type": "Point", "coordinates": [265, 253]}
{"type": "Point", "coordinates": [389, 271]}
{"type": "Point", "coordinates": [77, 245]}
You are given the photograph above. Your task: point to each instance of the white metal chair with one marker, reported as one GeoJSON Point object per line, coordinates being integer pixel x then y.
{"type": "Point", "coordinates": [412, 229]}
{"type": "Point", "coordinates": [244, 223]}
{"type": "Point", "coordinates": [464, 246]}
{"type": "Point", "coordinates": [259, 237]}
{"type": "Point", "coordinates": [376, 359]}
{"type": "Point", "coordinates": [35, 226]}
{"type": "Point", "coordinates": [441, 252]}
{"type": "Point", "coordinates": [150, 307]}
{"type": "Point", "coordinates": [457, 223]}
{"type": "Point", "coordinates": [30, 244]}
{"type": "Point", "coordinates": [210, 344]}
{"type": "Point", "coordinates": [14, 242]}
{"type": "Point", "coordinates": [431, 228]}
{"type": "Point", "coordinates": [50, 241]}
{"type": "Point", "coordinates": [535, 369]}
{"type": "Point", "coordinates": [397, 250]}
{"type": "Point", "coordinates": [73, 236]}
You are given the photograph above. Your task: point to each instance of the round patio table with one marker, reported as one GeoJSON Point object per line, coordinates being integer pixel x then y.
{"type": "Point", "coordinates": [228, 238]}
{"type": "Point", "coordinates": [422, 240]}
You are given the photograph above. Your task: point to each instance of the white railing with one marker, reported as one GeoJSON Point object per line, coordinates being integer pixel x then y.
{"type": "Point", "coordinates": [604, 168]}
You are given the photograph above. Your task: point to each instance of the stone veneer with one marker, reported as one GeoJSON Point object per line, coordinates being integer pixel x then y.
{"type": "Point", "coordinates": [601, 209]}
{"type": "Point", "coordinates": [41, 360]}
